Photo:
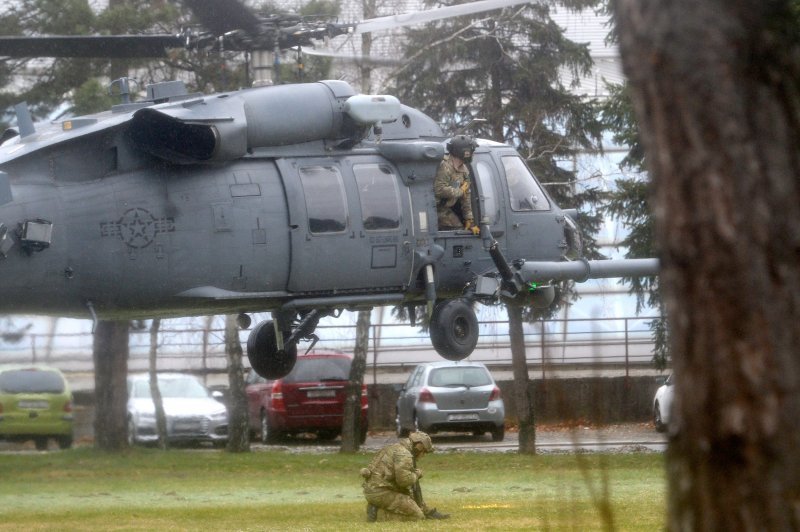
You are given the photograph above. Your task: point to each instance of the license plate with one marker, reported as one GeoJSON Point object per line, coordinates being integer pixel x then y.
{"type": "Point", "coordinates": [316, 394]}
{"type": "Point", "coordinates": [38, 405]}
{"type": "Point", "coordinates": [188, 425]}
{"type": "Point", "coordinates": [463, 417]}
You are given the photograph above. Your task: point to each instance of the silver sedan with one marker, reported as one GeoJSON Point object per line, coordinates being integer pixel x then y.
{"type": "Point", "coordinates": [451, 397]}
{"type": "Point", "coordinates": [192, 413]}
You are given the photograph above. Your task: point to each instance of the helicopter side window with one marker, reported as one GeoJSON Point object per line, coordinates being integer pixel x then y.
{"type": "Point", "coordinates": [380, 202]}
{"type": "Point", "coordinates": [325, 199]}
{"type": "Point", "coordinates": [488, 192]}
{"type": "Point", "coordinates": [523, 190]}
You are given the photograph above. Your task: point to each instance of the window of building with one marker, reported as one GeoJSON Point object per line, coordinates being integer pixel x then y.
{"type": "Point", "coordinates": [326, 203]}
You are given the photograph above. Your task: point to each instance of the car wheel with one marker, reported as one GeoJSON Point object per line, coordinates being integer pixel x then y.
{"type": "Point", "coordinates": [402, 432]}
{"type": "Point", "coordinates": [268, 435]}
{"type": "Point", "coordinates": [657, 420]}
{"type": "Point", "coordinates": [41, 443]}
{"type": "Point", "coordinates": [499, 433]}
{"type": "Point", "coordinates": [417, 428]}
{"type": "Point", "coordinates": [327, 435]}
{"type": "Point", "coordinates": [65, 442]}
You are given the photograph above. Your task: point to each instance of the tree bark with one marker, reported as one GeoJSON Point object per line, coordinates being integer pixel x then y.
{"type": "Point", "coordinates": [110, 351]}
{"type": "Point", "coordinates": [238, 425]}
{"type": "Point", "coordinates": [155, 391]}
{"type": "Point", "coordinates": [716, 87]}
{"type": "Point", "coordinates": [523, 402]}
{"type": "Point", "coordinates": [351, 424]}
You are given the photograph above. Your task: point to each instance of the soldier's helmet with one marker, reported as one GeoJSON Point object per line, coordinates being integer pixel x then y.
{"type": "Point", "coordinates": [461, 146]}
{"type": "Point", "coordinates": [424, 439]}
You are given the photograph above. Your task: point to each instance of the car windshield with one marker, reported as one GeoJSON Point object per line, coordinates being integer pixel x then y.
{"type": "Point", "coordinates": [459, 376]}
{"type": "Point", "coordinates": [319, 369]}
{"type": "Point", "coordinates": [170, 387]}
{"type": "Point", "coordinates": [31, 381]}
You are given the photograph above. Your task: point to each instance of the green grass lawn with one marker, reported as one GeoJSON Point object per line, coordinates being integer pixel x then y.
{"type": "Point", "coordinates": [146, 489]}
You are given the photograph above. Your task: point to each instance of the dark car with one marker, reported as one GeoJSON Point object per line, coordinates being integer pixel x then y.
{"type": "Point", "coordinates": [310, 399]}
{"type": "Point", "coordinates": [451, 397]}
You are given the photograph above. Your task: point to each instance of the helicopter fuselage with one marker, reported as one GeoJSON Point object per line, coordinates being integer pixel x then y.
{"type": "Point", "coordinates": [302, 200]}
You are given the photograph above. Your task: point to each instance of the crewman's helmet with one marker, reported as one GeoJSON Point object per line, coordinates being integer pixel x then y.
{"type": "Point", "coordinates": [462, 147]}
{"type": "Point", "coordinates": [424, 439]}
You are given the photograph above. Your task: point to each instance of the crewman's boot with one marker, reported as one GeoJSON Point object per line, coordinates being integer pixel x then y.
{"type": "Point", "coordinates": [435, 514]}
{"type": "Point", "coordinates": [372, 513]}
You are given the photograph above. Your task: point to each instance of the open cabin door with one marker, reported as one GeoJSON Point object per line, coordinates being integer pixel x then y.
{"type": "Point", "coordinates": [349, 225]}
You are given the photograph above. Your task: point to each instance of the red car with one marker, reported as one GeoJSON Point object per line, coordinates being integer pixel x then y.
{"type": "Point", "coordinates": [309, 399]}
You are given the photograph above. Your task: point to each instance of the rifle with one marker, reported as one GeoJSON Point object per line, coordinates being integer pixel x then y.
{"type": "Point", "coordinates": [416, 490]}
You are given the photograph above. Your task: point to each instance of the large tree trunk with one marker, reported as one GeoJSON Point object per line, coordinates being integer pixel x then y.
{"type": "Point", "coordinates": [716, 88]}
{"type": "Point", "coordinates": [110, 352]}
{"type": "Point", "coordinates": [238, 425]}
{"type": "Point", "coordinates": [351, 424]}
{"type": "Point", "coordinates": [523, 402]}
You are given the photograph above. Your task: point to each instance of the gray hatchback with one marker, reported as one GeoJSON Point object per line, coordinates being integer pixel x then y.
{"type": "Point", "coordinates": [451, 396]}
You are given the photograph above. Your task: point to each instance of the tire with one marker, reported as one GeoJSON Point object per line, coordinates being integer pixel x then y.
{"type": "Point", "coordinates": [657, 420]}
{"type": "Point", "coordinates": [499, 433]}
{"type": "Point", "coordinates": [65, 442]}
{"type": "Point", "coordinates": [327, 435]}
{"type": "Point", "coordinates": [402, 432]}
{"type": "Point", "coordinates": [268, 435]}
{"type": "Point", "coordinates": [263, 353]}
{"type": "Point", "coordinates": [41, 443]}
{"type": "Point", "coordinates": [454, 329]}
{"type": "Point", "coordinates": [417, 428]}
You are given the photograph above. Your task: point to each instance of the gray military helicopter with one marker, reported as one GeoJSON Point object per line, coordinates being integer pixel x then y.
{"type": "Point", "coordinates": [302, 200]}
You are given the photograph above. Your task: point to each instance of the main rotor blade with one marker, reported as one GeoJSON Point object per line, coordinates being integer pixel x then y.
{"type": "Point", "coordinates": [420, 17]}
{"type": "Point", "coordinates": [371, 59]}
{"type": "Point", "coordinates": [222, 16]}
{"type": "Point", "coordinates": [111, 46]}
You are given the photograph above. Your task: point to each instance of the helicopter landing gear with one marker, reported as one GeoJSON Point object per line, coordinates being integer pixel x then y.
{"type": "Point", "coordinates": [265, 357]}
{"type": "Point", "coordinates": [454, 329]}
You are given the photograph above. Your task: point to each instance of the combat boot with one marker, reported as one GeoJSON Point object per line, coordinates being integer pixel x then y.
{"type": "Point", "coordinates": [372, 513]}
{"type": "Point", "coordinates": [435, 514]}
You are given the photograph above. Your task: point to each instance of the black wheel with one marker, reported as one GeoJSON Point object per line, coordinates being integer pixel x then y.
{"type": "Point", "coordinates": [268, 435]}
{"type": "Point", "coordinates": [263, 353]}
{"type": "Point", "coordinates": [498, 433]}
{"type": "Point", "coordinates": [657, 421]}
{"type": "Point", "coordinates": [454, 329]}
{"type": "Point", "coordinates": [41, 443]}
{"type": "Point", "coordinates": [327, 435]}
{"type": "Point", "coordinates": [417, 428]}
{"type": "Point", "coordinates": [65, 442]}
{"type": "Point", "coordinates": [402, 432]}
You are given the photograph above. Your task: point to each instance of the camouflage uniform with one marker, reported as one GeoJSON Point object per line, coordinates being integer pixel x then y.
{"type": "Point", "coordinates": [447, 189]}
{"type": "Point", "coordinates": [389, 479]}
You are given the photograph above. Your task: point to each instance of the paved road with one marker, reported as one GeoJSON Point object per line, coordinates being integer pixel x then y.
{"type": "Point", "coordinates": [624, 437]}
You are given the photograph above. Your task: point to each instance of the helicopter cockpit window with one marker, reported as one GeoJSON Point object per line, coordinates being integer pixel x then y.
{"type": "Point", "coordinates": [325, 199]}
{"type": "Point", "coordinates": [377, 189]}
{"type": "Point", "coordinates": [523, 190]}
{"type": "Point", "coordinates": [488, 192]}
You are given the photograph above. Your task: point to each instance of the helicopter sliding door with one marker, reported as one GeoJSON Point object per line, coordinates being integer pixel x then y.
{"type": "Point", "coordinates": [349, 223]}
{"type": "Point", "coordinates": [534, 223]}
